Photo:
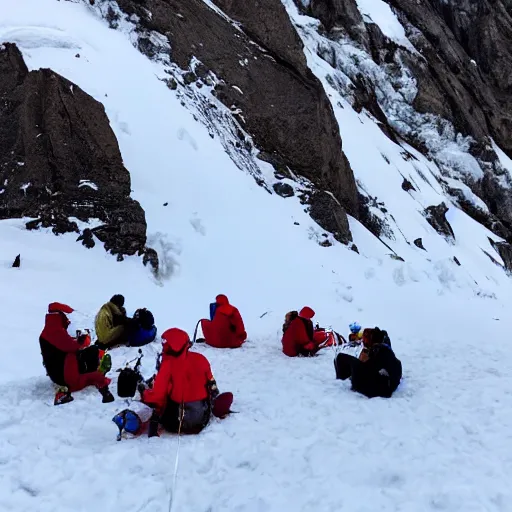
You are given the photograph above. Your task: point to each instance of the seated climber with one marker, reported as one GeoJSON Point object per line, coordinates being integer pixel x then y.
{"type": "Point", "coordinates": [112, 325]}
{"type": "Point", "coordinates": [67, 363]}
{"type": "Point", "coordinates": [143, 329]}
{"type": "Point", "coordinates": [298, 334]}
{"type": "Point", "coordinates": [225, 329]}
{"type": "Point", "coordinates": [184, 390]}
{"type": "Point", "coordinates": [377, 371]}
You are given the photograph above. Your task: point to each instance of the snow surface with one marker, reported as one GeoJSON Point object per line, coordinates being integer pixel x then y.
{"type": "Point", "coordinates": [380, 13]}
{"type": "Point", "coordinates": [301, 441]}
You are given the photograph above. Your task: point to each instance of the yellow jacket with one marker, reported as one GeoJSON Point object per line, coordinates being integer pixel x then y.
{"type": "Point", "coordinates": [108, 323]}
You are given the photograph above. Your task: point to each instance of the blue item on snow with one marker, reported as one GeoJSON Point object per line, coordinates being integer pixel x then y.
{"type": "Point", "coordinates": [213, 308]}
{"type": "Point", "coordinates": [127, 420]}
{"type": "Point", "coordinates": [142, 336]}
{"type": "Point", "coordinates": [354, 327]}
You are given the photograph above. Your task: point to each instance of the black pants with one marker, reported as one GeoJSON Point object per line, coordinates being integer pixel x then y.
{"type": "Point", "coordinates": [195, 418]}
{"type": "Point", "coordinates": [365, 378]}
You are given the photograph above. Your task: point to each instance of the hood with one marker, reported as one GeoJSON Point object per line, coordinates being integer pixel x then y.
{"type": "Point", "coordinates": [307, 313]}
{"type": "Point", "coordinates": [222, 300]}
{"type": "Point", "coordinates": [58, 307]}
{"type": "Point", "coordinates": [175, 341]}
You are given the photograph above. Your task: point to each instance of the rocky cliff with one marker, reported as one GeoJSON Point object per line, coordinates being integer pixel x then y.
{"type": "Point", "coordinates": [60, 161]}
{"type": "Point", "coordinates": [259, 70]}
{"type": "Point", "coordinates": [460, 60]}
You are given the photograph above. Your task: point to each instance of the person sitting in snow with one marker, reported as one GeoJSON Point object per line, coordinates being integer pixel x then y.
{"type": "Point", "coordinates": [143, 330]}
{"type": "Point", "coordinates": [112, 325]}
{"type": "Point", "coordinates": [298, 333]}
{"type": "Point", "coordinates": [184, 389]}
{"type": "Point", "coordinates": [377, 371]}
{"type": "Point", "coordinates": [226, 328]}
{"type": "Point", "coordinates": [67, 362]}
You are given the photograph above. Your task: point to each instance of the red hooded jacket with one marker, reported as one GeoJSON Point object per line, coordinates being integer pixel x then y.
{"type": "Point", "coordinates": [183, 376]}
{"type": "Point", "coordinates": [299, 335]}
{"type": "Point", "coordinates": [227, 329]}
{"type": "Point", "coordinates": [59, 351]}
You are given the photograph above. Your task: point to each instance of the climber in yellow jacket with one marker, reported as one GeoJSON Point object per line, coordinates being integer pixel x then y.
{"type": "Point", "coordinates": [111, 324]}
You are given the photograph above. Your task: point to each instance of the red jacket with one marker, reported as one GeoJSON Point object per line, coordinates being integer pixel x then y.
{"type": "Point", "coordinates": [183, 376]}
{"type": "Point", "coordinates": [227, 329]}
{"type": "Point", "coordinates": [297, 337]}
{"type": "Point", "coordinates": [59, 351]}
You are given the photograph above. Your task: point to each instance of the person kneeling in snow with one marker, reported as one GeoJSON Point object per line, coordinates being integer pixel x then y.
{"type": "Point", "coordinates": [226, 328]}
{"type": "Point", "coordinates": [67, 363]}
{"type": "Point", "coordinates": [377, 371]}
{"type": "Point", "coordinates": [112, 325]}
{"type": "Point", "coordinates": [184, 390]}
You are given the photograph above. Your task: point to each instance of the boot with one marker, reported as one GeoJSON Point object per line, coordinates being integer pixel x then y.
{"type": "Point", "coordinates": [153, 426]}
{"type": "Point", "coordinates": [63, 396]}
{"type": "Point", "coordinates": [106, 394]}
{"type": "Point", "coordinates": [105, 364]}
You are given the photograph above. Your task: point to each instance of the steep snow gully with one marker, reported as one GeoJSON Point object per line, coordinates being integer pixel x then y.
{"type": "Point", "coordinates": [301, 440]}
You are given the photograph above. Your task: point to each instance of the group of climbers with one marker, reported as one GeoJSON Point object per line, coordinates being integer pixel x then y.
{"type": "Point", "coordinates": [183, 394]}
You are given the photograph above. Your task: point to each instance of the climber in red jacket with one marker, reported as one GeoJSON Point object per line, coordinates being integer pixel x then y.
{"type": "Point", "coordinates": [184, 388]}
{"type": "Point", "coordinates": [298, 334]}
{"type": "Point", "coordinates": [226, 328]}
{"type": "Point", "coordinates": [62, 356]}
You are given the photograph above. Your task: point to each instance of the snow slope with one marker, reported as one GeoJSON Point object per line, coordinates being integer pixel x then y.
{"type": "Point", "coordinates": [301, 440]}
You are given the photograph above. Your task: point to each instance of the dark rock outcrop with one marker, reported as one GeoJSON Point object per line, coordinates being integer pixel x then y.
{"type": "Point", "coordinates": [340, 13]}
{"type": "Point", "coordinates": [283, 189]}
{"type": "Point", "coordinates": [505, 251]}
{"type": "Point", "coordinates": [59, 159]}
{"type": "Point", "coordinates": [282, 105]}
{"type": "Point", "coordinates": [436, 217]}
{"type": "Point", "coordinates": [328, 213]}
{"type": "Point", "coordinates": [419, 243]}
{"type": "Point", "coordinates": [17, 262]}
{"type": "Point", "coordinates": [407, 185]}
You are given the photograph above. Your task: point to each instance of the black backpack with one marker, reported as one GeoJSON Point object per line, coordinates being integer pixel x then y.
{"type": "Point", "coordinates": [144, 318]}
{"type": "Point", "coordinates": [128, 379]}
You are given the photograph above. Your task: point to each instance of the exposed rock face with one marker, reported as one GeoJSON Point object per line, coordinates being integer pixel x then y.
{"type": "Point", "coordinates": [283, 189]}
{"type": "Point", "coordinates": [344, 13]}
{"type": "Point", "coordinates": [328, 213]}
{"type": "Point", "coordinates": [59, 158]}
{"type": "Point", "coordinates": [283, 105]}
{"type": "Point", "coordinates": [505, 251]}
{"type": "Point", "coordinates": [463, 74]}
{"type": "Point", "coordinates": [475, 96]}
{"type": "Point", "coordinates": [466, 78]}
{"type": "Point", "coordinates": [436, 217]}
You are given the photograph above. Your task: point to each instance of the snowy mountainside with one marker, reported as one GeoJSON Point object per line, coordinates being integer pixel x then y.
{"type": "Point", "coordinates": [301, 440]}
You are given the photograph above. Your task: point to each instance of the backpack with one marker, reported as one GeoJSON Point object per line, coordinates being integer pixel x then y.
{"type": "Point", "coordinates": [144, 318]}
{"type": "Point", "coordinates": [213, 308]}
{"type": "Point", "coordinates": [127, 383]}
{"type": "Point", "coordinates": [128, 379]}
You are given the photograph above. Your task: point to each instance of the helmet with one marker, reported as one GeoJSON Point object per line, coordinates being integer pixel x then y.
{"type": "Point", "coordinates": [354, 327]}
